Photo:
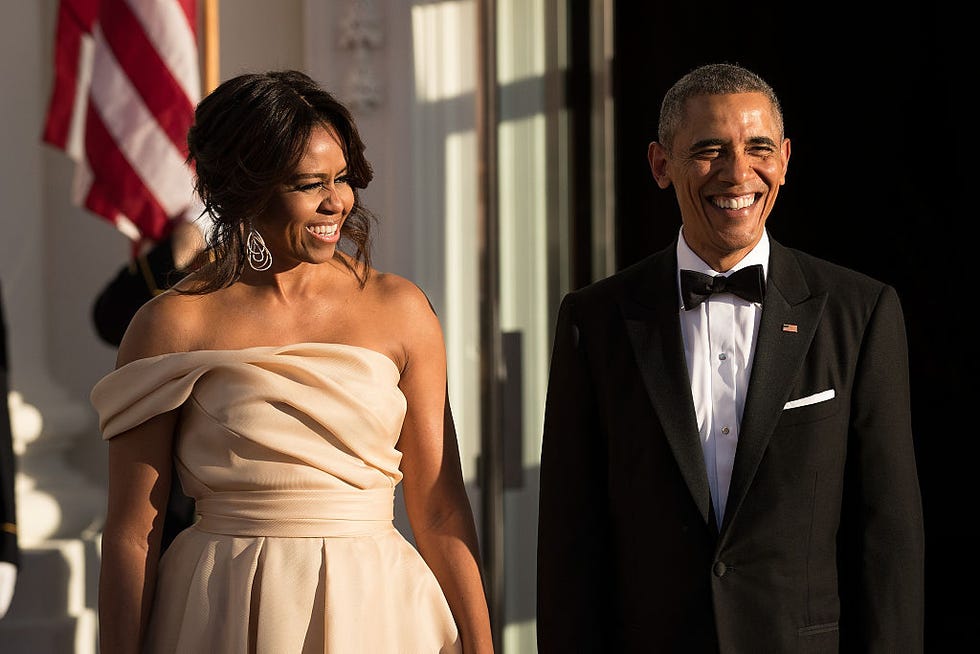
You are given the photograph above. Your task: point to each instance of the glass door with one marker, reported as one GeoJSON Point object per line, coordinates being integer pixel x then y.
{"type": "Point", "coordinates": [548, 230]}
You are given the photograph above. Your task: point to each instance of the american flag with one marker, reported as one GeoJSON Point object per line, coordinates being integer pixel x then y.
{"type": "Point", "coordinates": [126, 81]}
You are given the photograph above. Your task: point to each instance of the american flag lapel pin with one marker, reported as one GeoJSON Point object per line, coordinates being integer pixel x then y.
{"type": "Point", "coordinates": [790, 327]}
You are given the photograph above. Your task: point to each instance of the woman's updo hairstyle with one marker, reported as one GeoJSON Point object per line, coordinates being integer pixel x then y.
{"type": "Point", "coordinates": [247, 139]}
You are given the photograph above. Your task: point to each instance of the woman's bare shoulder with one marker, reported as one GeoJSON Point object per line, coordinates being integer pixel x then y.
{"type": "Point", "coordinates": [411, 325]}
{"type": "Point", "coordinates": [400, 295]}
{"type": "Point", "coordinates": [407, 312]}
{"type": "Point", "coordinates": [170, 322]}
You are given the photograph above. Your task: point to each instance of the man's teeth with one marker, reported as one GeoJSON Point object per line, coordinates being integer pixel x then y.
{"type": "Point", "coordinates": [735, 203]}
{"type": "Point", "coordinates": [324, 230]}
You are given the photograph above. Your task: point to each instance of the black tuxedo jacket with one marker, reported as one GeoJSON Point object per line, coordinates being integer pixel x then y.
{"type": "Point", "coordinates": [821, 546]}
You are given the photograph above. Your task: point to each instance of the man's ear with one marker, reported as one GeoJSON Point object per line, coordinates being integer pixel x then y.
{"type": "Point", "coordinates": [785, 151]}
{"type": "Point", "coordinates": [657, 156]}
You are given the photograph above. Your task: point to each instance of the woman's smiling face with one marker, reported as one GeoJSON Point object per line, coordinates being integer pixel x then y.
{"type": "Point", "coordinates": [303, 220]}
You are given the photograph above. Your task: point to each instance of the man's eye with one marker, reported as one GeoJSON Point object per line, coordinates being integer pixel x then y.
{"type": "Point", "coordinates": [710, 153]}
{"type": "Point", "coordinates": [761, 150]}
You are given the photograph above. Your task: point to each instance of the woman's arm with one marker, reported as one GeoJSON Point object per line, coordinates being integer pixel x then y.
{"type": "Point", "coordinates": [435, 496]}
{"type": "Point", "coordinates": [139, 485]}
{"type": "Point", "coordinates": [140, 470]}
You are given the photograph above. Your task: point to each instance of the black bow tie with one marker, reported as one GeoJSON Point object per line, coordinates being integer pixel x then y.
{"type": "Point", "coordinates": [746, 283]}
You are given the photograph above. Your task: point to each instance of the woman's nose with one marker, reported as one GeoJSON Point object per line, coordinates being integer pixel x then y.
{"type": "Point", "coordinates": [331, 198]}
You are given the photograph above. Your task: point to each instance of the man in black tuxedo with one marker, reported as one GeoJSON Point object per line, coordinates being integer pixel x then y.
{"type": "Point", "coordinates": [727, 463]}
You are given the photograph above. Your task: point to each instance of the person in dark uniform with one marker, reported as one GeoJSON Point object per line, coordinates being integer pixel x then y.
{"type": "Point", "coordinates": [9, 549]}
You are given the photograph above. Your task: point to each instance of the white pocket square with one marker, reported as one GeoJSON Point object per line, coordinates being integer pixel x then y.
{"type": "Point", "coordinates": [822, 396]}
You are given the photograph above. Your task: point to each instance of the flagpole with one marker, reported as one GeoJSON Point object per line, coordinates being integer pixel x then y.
{"type": "Point", "coordinates": [211, 49]}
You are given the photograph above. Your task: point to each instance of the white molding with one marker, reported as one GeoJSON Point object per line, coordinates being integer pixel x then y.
{"type": "Point", "coordinates": [361, 34]}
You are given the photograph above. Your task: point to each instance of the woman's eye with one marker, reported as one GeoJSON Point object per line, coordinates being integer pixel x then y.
{"type": "Point", "coordinates": [321, 185]}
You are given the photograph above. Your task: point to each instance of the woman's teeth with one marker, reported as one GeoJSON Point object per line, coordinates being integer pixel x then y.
{"type": "Point", "coordinates": [323, 230]}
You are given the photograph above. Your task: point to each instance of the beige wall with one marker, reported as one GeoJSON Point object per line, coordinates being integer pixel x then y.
{"type": "Point", "coordinates": [259, 35]}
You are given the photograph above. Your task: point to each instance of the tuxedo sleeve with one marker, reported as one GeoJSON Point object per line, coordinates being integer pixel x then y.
{"type": "Point", "coordinates": [881, 536]}
{"type": "Point", "coordinates": [573, 599]}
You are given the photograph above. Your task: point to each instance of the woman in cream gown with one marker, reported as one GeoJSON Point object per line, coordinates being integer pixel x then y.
{"type": "Point", "coordinates": [295, 387]}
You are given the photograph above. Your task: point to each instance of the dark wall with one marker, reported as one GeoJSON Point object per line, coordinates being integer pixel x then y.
{"type": "Point", "coordinates": [876, 108]}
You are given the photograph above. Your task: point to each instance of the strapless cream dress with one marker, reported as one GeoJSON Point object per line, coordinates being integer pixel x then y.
{"type": "Point", "coordinates": [290, 455]}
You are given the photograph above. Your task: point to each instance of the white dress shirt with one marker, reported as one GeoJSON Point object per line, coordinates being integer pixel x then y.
{"type": "Point", "coordinates": [719, 343]}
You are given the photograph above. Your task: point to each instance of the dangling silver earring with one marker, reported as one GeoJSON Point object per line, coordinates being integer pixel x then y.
{"type": "Point", "coordinates": [259, 257]}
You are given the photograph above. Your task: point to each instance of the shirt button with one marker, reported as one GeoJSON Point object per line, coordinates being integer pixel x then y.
{"type": "Point", "coordinates": [724, 430]}
{"type": "Point", "coordinates": [719, 569]}
{"type": "Point", "coordinates": [722, 356]}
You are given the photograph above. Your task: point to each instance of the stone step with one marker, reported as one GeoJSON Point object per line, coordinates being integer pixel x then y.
{"type": "Point", "coordinates": [54, 606]}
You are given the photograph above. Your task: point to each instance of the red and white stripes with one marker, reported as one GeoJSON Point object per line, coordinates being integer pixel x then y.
{"type": "Point", "coordinates": [126, 83]}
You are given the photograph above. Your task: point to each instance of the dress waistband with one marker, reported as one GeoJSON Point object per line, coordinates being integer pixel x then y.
{"type": "Point", "coordinates": [297, 513]}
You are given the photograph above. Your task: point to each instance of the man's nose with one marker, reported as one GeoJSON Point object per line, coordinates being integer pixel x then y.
{"type": "Point", "coordinates": [737, 167]}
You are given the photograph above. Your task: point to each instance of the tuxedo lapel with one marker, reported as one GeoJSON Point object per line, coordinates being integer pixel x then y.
{"type": "Point", "coordinates": [650, 308]}
{"type": "Point", "coordinates": [790, 316]}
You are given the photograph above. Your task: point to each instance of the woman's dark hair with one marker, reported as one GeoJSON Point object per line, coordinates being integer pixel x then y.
{"type": "Point", "coordinates": [247, 139]}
